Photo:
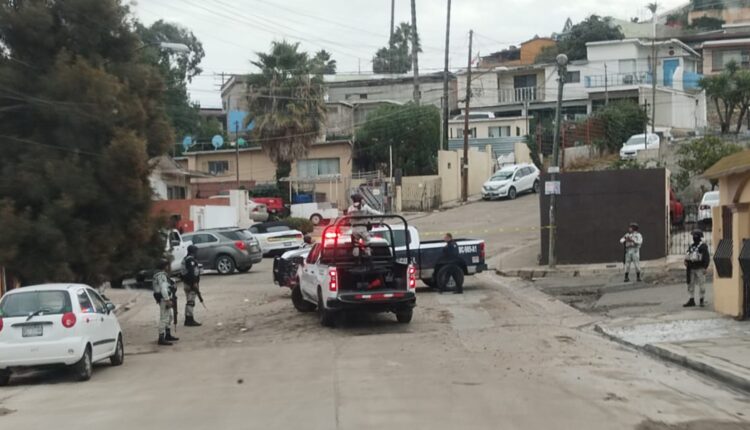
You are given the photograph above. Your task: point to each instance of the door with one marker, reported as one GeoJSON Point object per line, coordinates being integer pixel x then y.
{"type": "Point", "coordinates": [92, 323]}
{"type": "Point", "coordinates": [308, 276]}
{"type": "Point", "coordinates": [669, 68]}
{"type": "Point", "coordinates": [528, 179]}
{"type": "Point", "coordinates": [109, 323]}
{"type": "Point", "coordinates": [518, 181]}
{"type": "Point", "coordinates": [178, 249]}
{"type": "Point", "coordinates": [205, 243]}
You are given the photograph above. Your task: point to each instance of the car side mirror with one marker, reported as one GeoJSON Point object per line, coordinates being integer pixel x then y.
{"type": "Point", "coordinates": [110, 307]}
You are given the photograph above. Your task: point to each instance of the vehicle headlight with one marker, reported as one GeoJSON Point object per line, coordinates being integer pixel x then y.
{"type": "Point", "coordinates": [502, 187]}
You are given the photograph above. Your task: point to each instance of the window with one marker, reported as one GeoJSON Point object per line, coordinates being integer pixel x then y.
{"type": "Point", "coordinates": [518, 131]}
{"type": "Point", "coordinates": [472, 133]}
{"type": "Point", "coordinates": [23, 304]}
{"type": "Point", "coordinates": [626, 66]}
{"type": "Point", "coordinates": [499, 131]}
{"type": "Point", "coordinates": [720, 59]}
{"type": "Point", "coordinates": [99, 304]}
{"type": "Point", "coordinates": [317, 166]}
{"type": "Point", "coordinates": [201, 238]}
{"type": "Point", "coordinates": [176, 193]}
{"type": "Point", "coordinates": [313, 255]}
{"type": "Point", "coordinates": [236, 235]}
{"type": "Point", "coordinates": [218, 167]}
{"type": "Point", "coordinates": [83, 299]}
{"type": "Point", "coordinates": [356, 96]}
{"type": "Point", "coordinates": [573, 77]}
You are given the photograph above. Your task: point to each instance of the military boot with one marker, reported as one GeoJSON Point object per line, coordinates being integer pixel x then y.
{"type": "Point", "coordinates": [690, 303]}
{"type": "Point", "coordinates": [168, 337]}
{"type": "Point", "coordinates": [638, 276]}
{"type": "Point", "coordinates": [627, 276]}
{"type": "Point", "coordinates": [163, 341]}
{"type": "Point", "coordinates": [191, 322]}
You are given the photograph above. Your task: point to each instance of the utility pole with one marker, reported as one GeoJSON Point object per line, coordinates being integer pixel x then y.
{"type": "Point", "coordinates": [562, 62]}
{"type": "Point", "coordinates": [465, 163]}
{"type": "Point", "coordinates": [443, 138]}
{"type": "Point", "coordinates": [237, 151]}
{"type": "Point", "coordinates": [414, 51]}
{"type": "Point", "coordinates": [393, 21]}
{"type": "Point", "coordinates": [606, 87]}
{"type": "Point", "coordinates": [653, 72]}
{"type": "Point", "coordinates": [645, 124]}
{"type": "Point", "coordinates": [446, 98]}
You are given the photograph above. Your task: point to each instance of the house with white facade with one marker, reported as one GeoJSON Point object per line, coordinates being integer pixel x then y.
{"type": "Point", "coordinates": [616, 69]}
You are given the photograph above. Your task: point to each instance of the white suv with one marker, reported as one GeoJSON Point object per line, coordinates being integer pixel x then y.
{"type": "Point", "coordinates": [57, 324]}
{"type": "Point", "coordinates": [510, 181]}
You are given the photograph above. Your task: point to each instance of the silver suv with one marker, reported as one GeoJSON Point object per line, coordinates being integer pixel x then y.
{"type": "Point", "coordinates": [226, 249]}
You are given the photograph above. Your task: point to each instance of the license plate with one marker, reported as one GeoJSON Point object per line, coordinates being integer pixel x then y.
{"type": "Point", "coordinates": [287, 244]}
{"type": "Point", "coordinates": [32, 330]}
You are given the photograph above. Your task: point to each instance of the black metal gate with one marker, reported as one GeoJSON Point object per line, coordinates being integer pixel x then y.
{"type": "Point", "coordinates": [681, 234]}
{"type": "Point", "coordinates": [745, 265]}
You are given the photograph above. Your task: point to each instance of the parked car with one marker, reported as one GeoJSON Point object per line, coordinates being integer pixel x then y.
{"type": "Point", "coordinates": [332, 280]}
{"type": "Point", "coordinates": [636, 143]}
{"type": "Point", "coordinates": [226, 249]}
{"type": "Point", "coordinates": [676, 210]}
{"type": "Point", "coordinates": [510, 181]}
{"type": "Point", "coordinates": [705, 215]}
{"type": "Point", "coordinates": [175, 250]}
{"type": "Point", "coordinates": [57, 325]}
{"type": "Point", "coordinates": [258, 211]}
{"type": "Point", "coordinates": [315, 212]}
{"type": "Point", "coordinates": [276, 237]}
{"type": "Point", "coordinates": [432, 267]}
{"type": "Point", "coordinates": [274, 205]}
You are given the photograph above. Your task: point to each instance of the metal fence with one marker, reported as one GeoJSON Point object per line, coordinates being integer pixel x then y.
{"type": "Point", "coordinates": [680, 237]}
{"type": "Point", "coordinates": [422, 196]}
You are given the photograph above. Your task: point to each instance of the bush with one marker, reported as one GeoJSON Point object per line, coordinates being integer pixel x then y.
{"type": "Point", "coordinates": [696, 156]}
{"type": "Point", "coordinates": [621, 119]}
{"type": "Point", "coordinates": [302, 224]}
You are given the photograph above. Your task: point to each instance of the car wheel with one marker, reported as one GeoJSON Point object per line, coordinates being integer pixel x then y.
{"type": "Point", "coordinates": [84, 367]}
{"type": "Point", "coordinates": [4, 377]}
{"type": "Point", "coordinates": [535, 188]}
{"type": "Point", "coordinates": [512, 193]}
{"type": "Point", "coordinates": [326, 317]}
{"type": "Point", "coordinates": [403, 316]}
{"type": "Point", "coordinates": [299, 302]}
{"type": "Point", "coordinates": [119, 356]}
{"type": "Point", "coordinates": [450, 277]}
{"type": "Point", "coordinates": [316, 219]}
{"type": "Point", "coordinates": [245, 269]}
{"type": "Point", "coordinates": [224, 264]}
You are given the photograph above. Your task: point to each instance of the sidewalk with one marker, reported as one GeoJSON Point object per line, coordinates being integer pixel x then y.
{"type": "Point", "coordinates": [672, 265]}
{"type": "Point", "coordinates": [706, 342]}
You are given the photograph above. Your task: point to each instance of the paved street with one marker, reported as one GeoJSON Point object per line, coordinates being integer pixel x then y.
{"type": "Point", "coordinates": [503, 355]}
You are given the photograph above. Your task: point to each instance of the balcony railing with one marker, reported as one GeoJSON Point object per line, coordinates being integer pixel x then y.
{"type": "Point", "coordinates": [617, 79]}
{"type": "Point", "coordinates": [520, 95]}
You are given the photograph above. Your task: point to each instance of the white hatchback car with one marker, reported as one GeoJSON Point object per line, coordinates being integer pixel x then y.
{"type": "Point", "coordinates": [637, 143]}
{"type": "Point", "coordinates": [510, 181]}
{"type": "Point", "coordinates": [705, 216]}
{"type": "Point", "coordinates": [57, 324]}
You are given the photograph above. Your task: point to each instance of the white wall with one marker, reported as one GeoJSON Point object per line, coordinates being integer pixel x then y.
{"type": "Point", "coordinates": [483, 86]}
{"type": "Point", "coordinates": [158, 185]}
{"type": "Point", "coordinates": [483, 126]}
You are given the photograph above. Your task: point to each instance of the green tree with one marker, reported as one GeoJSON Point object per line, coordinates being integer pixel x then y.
{"type": "Point", "coordinates": [323, 63]}
{"type": "Point", "coordinates": [286, 102]}
{"type": "Point", "coordinates": [730, 92]}
{"type": "Point", "coordinates": [621, 119]}
{"type": "Point", "coordinates": [412, 131]}
{"type": "Point", "coordinates": [696, 156]}
{"type": "Point", "coordinates": [177, 68]}
{"type": "Point", "coordinates": [80, 116]}
{"type": "Point", "coordinates": [573, 43]}
{"type": "Point", "coordinates": [396, 57]}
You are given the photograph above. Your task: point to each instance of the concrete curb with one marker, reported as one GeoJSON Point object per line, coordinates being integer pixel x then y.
{"type": "Point", "coordinates": [655, 351]}
{"type": "Point", "coordinates": [530, 274]}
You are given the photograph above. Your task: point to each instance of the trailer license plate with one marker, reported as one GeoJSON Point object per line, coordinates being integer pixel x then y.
{"type": "Point", "coordinates": [32, 330]}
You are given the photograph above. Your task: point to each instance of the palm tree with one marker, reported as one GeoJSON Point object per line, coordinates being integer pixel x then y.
{"type": "Point", "coordinates": [285, 101]}
{"type": "Point", "coordinates": [324, 64]}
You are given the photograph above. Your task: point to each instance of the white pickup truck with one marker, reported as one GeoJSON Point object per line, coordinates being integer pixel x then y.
{"type": "Point", "coordinates": [332, 280]}
{"type": "Point", "coordinates": [315, 212]}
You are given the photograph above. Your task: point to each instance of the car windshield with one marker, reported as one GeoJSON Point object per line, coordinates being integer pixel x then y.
{"type": "Point", "coordinates": [712, 197]}
{"type": "Point", "coordinates": [27, 303]}
{"type": "Point", "coordinates": [502, 176]}
{"type": "Point", "coordinates": [635, 140]}
{"type": "Point", "coordinates": [236, 235]}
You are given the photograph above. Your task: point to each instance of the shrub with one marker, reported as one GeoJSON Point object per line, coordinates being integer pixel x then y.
{"type": "Point", "coordinates": [622, 119]}
{"type": "Point", "coordinates": [302, 224]}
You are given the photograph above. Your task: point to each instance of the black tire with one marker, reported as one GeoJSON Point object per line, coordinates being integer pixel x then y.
{"type": "Point", "coordinates": [450, 277]}
{"type": "Point", "coordinates": [225, 264]}
{"type": "Point", "coordinates": [512, 193]}
{"type": "Point", "coordinates": [535, 187]}
{"type": "Point", "coordinates": [84, 367]}
{"type": "Point", "coordinates": [4, 377]}
{"type": "Point", "coordinates": [316, 219]}
{"type": "Point", "coordinates": [403, 316]}
{"type": "Point", "coordinates": [245, 269]}
{"type": "Point", "coordinates": [326, 317]}
{"type": "Point", "coordinates": [299, 302]}
{"type": "Point", "coordinates": [119, 356]}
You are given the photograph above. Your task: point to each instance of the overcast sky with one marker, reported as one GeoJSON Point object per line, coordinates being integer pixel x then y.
{"type": "Point", "coordinates": [233, 30]}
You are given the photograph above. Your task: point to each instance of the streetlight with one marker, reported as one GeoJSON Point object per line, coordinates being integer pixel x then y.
{"type": "Point", "coordinates": [562, 62]}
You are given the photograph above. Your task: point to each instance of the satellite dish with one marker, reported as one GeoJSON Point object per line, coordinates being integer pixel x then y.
{"type": "Point", "coordinates": [217, 141]}
{"type": "Point", "coordinates": [186, 142]}
{"type": "Point", "coordinates": [241, 142]}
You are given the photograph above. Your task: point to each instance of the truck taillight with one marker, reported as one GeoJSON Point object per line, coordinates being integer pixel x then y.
{"type": "Point", "coordinates": [68, 319]}
{"type": "Point", "coordinates": [481, 250]}
{"type": "Point", "coordinates": [412, 277]}
{"type": "Point", "coordinates": [1, 323]}
{"type": "Point", "coordinates": [333, 281]}
{"type": "Point", "coordinates": [240, 245]}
